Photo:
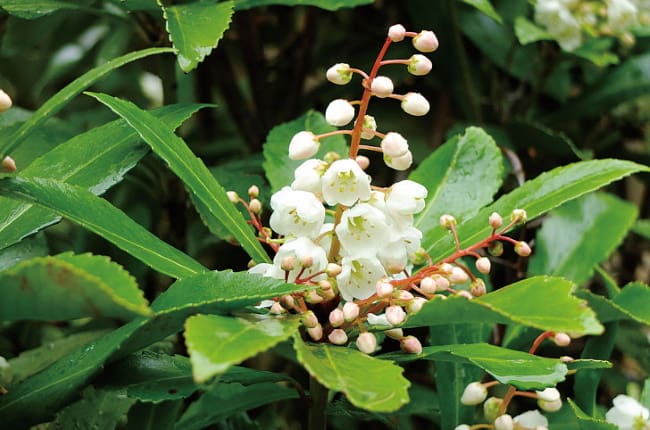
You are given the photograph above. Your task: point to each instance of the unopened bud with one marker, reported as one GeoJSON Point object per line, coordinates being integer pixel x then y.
{"type": "Point", "coordinates": [362, 161]}
{"type": "Point", "coordinates": [496, 220]}
{"type": "Point", "coordinates": [465, 293]}
{"type": "Point", "coordinates": [369, 127]}
{"type": "Point", "coordinates": [333, 270]}
{"type": "Point", "coordinates": [309, 319]}
{"type": "Point", "coordinates": [399, 163]}
{"type": "Point", "coordinates": [522, 248]}
{"type": "Point", "coordinates": [396, 32]}
{"type": "Point", "coordinates": [442, 283]}
{"type": "Point", "coordinates": [426, 41]}
{"type": "Point", "coordinates": [428, 285]}
{"type": "Point", "coordinates": [495, 249]}
{"type": "Point", "coordinates": [277, 309]}
{"type": "Point", "coordinates": [5, 101]}
{"type": "Point", "coordinates": [446, 268]}
{"type": "Point", "coordinates": [384, 288]}
{"type": "Point", "coordinates": [483, 265]}
{"type": "Point", "coordinates": [447, 221]}
{"type": "Point", "coordinates": [473, 394]}
{"type": "Point", "coordinates": [504, 422]}
{"type": "Point", "coordinates": [232, 196]}
{"type": "Point", "coordinates": [253, 191]}
{"type": "Point", "coordinates": [627, 39]}
{"type": "Point", "coordinates": [8, 164]}
{"type": "Point", "coordinates": [458, 276]}
{"type": "Point", "coordinates": [313, 297]}
{"type": "Point", "coordinates": [303, 145]}
{"type": "Point", "coordinates": [394, 145]}
{"type": "Point", "coordinates": [316, 333]}
{"type": "Point", "coordinates": [394, 333]}
{"type": "Point", "coordinates": [287, 301]}
{"type": "Point", "coordinates": [350, 311]}
{"type": "Point", "coordinates": [415, 305]}
{"type": "Point", "coordinates": [462, 427]}
{"type": "Point", "coordinates": [411, 345]}
{"type": "Point", "coordinates": [339, 74]}
{"type": "Point", "coordinates": [288, 263]}
{"type": "Point", "coordinates": [338, 337]}
{"type": "Point", "coordinates": [255, 206]}
{"type": "Point", "coordinates": [548, 394]}
{"type": "Point", "coordinates": [491, 408]}
{"type": "Point", "coordinates": [519, 216]}
{"type": "Point", "coordinates": [339, 113]}
{"type": "Point", "coordinates": [382, 86]}
{"type": "Point", "coordinates": [403, 295]}
{"type": "Point", "coordinates": [552, 406]}
{"type": "Point", "coordinates": [419, 65]}
{"type": "Point", "coordinates": [395, 315]}
{"type": "Point", "coordinates": [562, 339]}
{"type": "Point", "coordinates": [367, 343]}
{"type": "Point", "coordinates": [336, 318]}
{"type": "Point", "coordinates": [477, 288]}
{"type": "Point", "coordinates": [306, 261]}
{"type": "Point", "coordinates": [415, 104]}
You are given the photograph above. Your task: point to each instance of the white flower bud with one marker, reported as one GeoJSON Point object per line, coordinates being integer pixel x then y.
{"type": "Point", "coordinates": [396, 32]}
{"type": "Point", "coordinates": [382, 86]}
{"type": "Point", "coordinates": [313, 297]}
{"type": "Point", "coordinates": [442, 283]}
{"type": "Point", "coordinates": [394, 333]}
{"type": "Point", "coordinates": [277, 309]}
{"type": "Point", "coordinates": [339, 113]}
{"type": "Point", "coordinates": [531, 420]}
{"type": "Point", "coordinates": [426, 41]}
{"type": "Point", "coordinates": [8, 164]}
{"type": "Point", "coordinates": [466, 294]}
{"type": "Point", "coordinates": [369, 127]}
{"type": "Point", "coordinates": [415, 305]}
{"type": "Point", "coordinates": [316, 333]}
{"type": "Point", "coordinates": [362, 161]}
{"type": "Point", "coordinates": [339, 74]}
{"type": "Point", "coordinates": [495, 220]}
{"type": "Point", "coordinates": [395, 315]}
{"type": "Point", "coordinates": [350, 311]}
{"type": "Point", "coordinates": [255, 206]}
{"type": "Point", "coordinates": [309, 319]}
{"type": "Point", "coordinates": [518, 215]}
{"type": "Point", "coordinates": [428, 285]}
{"type": "Point", "coordinates": [548, 394]}
{"type": "Point", "coordinates": [483, 265]}
{"type": "Point", "coordinates": [303, 145]}
{"type": "Point", "coordinates": [491, 408]}
{"type": "Point", "coordinates": [288, 263]}
{"type": "Point", "coordinates": [458, 276]}
{"type": "Point", "coordinates": [446, 268]}
{"type": "Point", "coordinates": [333, 269]}
{"type": "Point", "coordinates": [394, 145]}
{"type": "Point", "coordinates": [253, 191]}
{"type": "Point", "coordinates": [399, 163]}
{"type": "Point", "coordinates": [5, 101]}
{"type": "Point", "coordinates": [384, 288]}
{"type": "Point", "coordinates": [523, 249]}
{"type": "Point", "coordinates": [232, 195]}
{"type": "Point", "coordinates": [338, 337]}
{"type": "Point", "coordinates": [553, 406]}
{"type": "Point", "coordinates": [504, 422]}
{"type": "Point", "coordinates": [415, 104]}
{"type": "Point", "coordinates": [473, 394]}
{"type": "Point", "coordinates": [462, 427]}
{"type": "Point", "coordinates": [403, 295]}
{"type": "Point", "coordinates": [419, 65]}
{"type": "Point", "coordinates": [411, 345]}
{"type": "Point", "coordinates": [336, 318]}
{"type": "Point", "coordinates": [562, 339]}
{"type": "Point", "coordinates": [447, 221]}
{"type": "Point", "coordinates": [367, 343]}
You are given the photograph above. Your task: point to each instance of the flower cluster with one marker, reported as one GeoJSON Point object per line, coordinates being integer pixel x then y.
{"type": "Point", "coordinates": [568, 20]}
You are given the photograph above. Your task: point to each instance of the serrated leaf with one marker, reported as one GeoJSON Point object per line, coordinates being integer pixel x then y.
{"type": "Point", "coordinates": [217, 342]}
{"type": "Point", "coordinates": [99, 216]}
{"type": "Point", "coordinates": [587, 363]}
{"type": "Point", "coordinates": [536, 196]}
{"type": "Point", "coordinates": [581, 234]}
{"type": "Point", "coordinates": [486, 7]}
{"type": "Point", "coordinates": [97, 410]}
{"type": "Point", "coordinates": [633, 302]}
{"type": "Point", "coordinates": [323, 4]}
{"type": "Point", "coordinates": [524, 371]}
{"type": "Point", "coordinates": [96, 159]}
{"type": "Point", "coordinates": [32, 9]}
{"type": "Point", "coordinates": [586, 422]}
{"type": "Point", "coordinates": [277, 165]}
{"type": "Point", "coordinates": [190, 169]}
{"type": "Point", "coordinates": [69, 287]}
{"type": "Point", "coordinates": [529, 32]}
{"type": "Point", "coordinates": [541, 302]}
{"type": "Point", "coordinates": [462, 176]}
{"type": "Point", "coordinates": [196, 28]}
{"type": "Point", "coordinates": [67, 93]}
{"type": "Point", "coordinates": [367, 382]}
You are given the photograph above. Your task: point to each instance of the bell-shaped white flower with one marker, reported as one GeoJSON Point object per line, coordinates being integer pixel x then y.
{"type": "Point", "coordinates": [396, 32]}
{"type": "Point", "coordinates": [531, 420]}
{"type": "Point", "coordinates": [415, 104]}
{"type": "Point", "coordinates": [628, 414]}
{"type": "Point", "coordinates": [363, 231]}
{"type": "Point", "coordinates": [621, 14]}
{"type": "Point", "coordinates": [406, 197]}
{"type": "Point", "coordinates": [382, 86]}
{"type": "Point", "coordinates": [302, 249]}
{"type": "Point", "coordinates": [339, 74]}
{"type": "Point", "coordinates": [426, 41]}
{"type": "Point", "coordinates": [296, 213]}
{"type": "Point", "coordinates": [419, 65]}
{"type": "Point", "coordinates": [399, 163]}
{"type": "Point", "coordinates": [308, 176]}
{"type": "Point", "coordinates": [359, 277]}
{"type": "Point", "coordinates": [345, 183]}
{"type": "Point", "coordinates": [394, 145]}
{"type": "Point", "coordinates": [303, 145]}
{"type": "Point", "coordinates": [339, 113]}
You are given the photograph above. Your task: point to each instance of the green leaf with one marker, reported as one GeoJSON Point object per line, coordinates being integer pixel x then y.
{"type": "Point", "coordinates": [541, 302]}
{"type": "Point", "coordinates": [642, 228]}
{"type": "Point", "coordinates": [631, 303]}
{"type": "Point", "coordinates": [96, 159]}
{"type": "Point", "coordinates": [529, 32]}
{"type": "Point", "coordinates": [524, 371]}
{"type": "Point", "coordinates": [323, 4]}
{"type": "Point", "coordinates": [99, 216]}
{"type": "Point", "coordinates": [579, 235]}
{"type": "Point", "coordinates": [69, 287]}
{"type": "Point", "coordinates": [97, 410]}
{"type": "Point", "coordinates": [29, 248]}
{"type": "Point", "coordinates": [588, 364]}
{"type": "Point", "coordinates": [367, 382]}
{"type": "Point", "coordinates": [585, 422]}
{"type": "Point", "coordinates": [277, 165]}
{"type": "Point", "coordinates": [60, 99]}
{"type": "Point", "coordinates": [537, 196]}
{"type": "Point", "coordinates": [154, 416]}
{"type": "Point", "coordinates": [217, 342]}
{"type": "Point", "coordinates": [32, 9]}
{"type": "Point", "coordinates": [462, 176]}
{"type": "Point", "coordinates": [190, 170]}
{"type": "Point", "coordinates": [486, 7]}
{"type": "Point", "coordinates": [225, 400]}
{"type": "Point", "coordinates": [196, 28]}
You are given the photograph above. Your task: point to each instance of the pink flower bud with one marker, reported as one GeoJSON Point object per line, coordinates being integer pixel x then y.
{"type": "Point", "coordinates": [362, 161]}
{"type": "Point", "coordinates": [447, 221]}
{"type": "Point", "coordinates": [395, 314]}
{"type": "Point", "coordinates": [288, 263]}
{"type": "Point", "coordinates": [415, 104]}
{"type": "Point", "coordinates": [518, 215]}
{"type": "Point", "coordinates": [415, 305]}
{"type": "Point", "coordinates": [458, 276]}
{"type": "Point", "coordinates": [446, 268]}
{"type": "Point", "coordinates": [382, 86]}
{"type": "Point", "coordinates": [419, 65]}
{"type": "Point", "coordinates": [277, 309]}
{"type": "Point", "coordinates": [562, 339]}
{"type": "Point", "coordinates": [8, 164]}
{"type": "Point", "coordinates": [339, 74]}
{"type": "Point", "coordinates": [394, 145]}
{"type": "Point", "coordinates": [313, 297]}
{"type": "Point", "coordinates": [255, 206]}
{"type": "Point", "coordinates": [336, 318]}
{"type": "Point", "coordinates": [384, 288]}
{"type": "Point", "coordinates": [428, 285]}
{"type": "Point", "coordinates": [333, 269]}
{"type": "Point", "coordinates": [316, 333]}
{"type": "Point", "coordinates": [399, 163]}
{"type": "Point", "coordinates": [350, 311]}
{"type": "Point", "coordinates": [309, 319]}
{"type": "Point", "coordinates": [504, 422]}
{"type": "Point", "coordinates": [5, 101]}
{"type": "Point", "coordinates": [495, 220]}
{"type": "Point", "coordinates": [465, 293]}
{"type": "Point", "coordinates": [411, 345]}
{"type": "Point", "coordinates": [253, 191]}
{"type": "Point", "coordinates": [442, 283]}
{"type": "Point", "coordinates": [477, 288]}
{"type": "Point", "coordinates": [232, 196]}
{"type": "Point", "coordinates": [338, 337]}
{"type": "Point", "coordinates": [473, 394]}
{"type": "Point", "coordinates": [394, 333]}
{"type": "Point", "coordinates": [396, 32]}
{"type": "Point", "coordinates": [339, 113]}
{"type": "Point", "coordinates": [303, 145]}
{"type": "Point", "coordinates": [483, 265]}
{"type": "Point", "coordinates": [426, 41]}
{"type": "Point", "coordinates": [404, 295]}
{"type": "Point", "coordinates": [523, 249]}
{"type": "Point", "coordinates": [367, 343]}
{"type": "Point", "coordinates": [306, 261]}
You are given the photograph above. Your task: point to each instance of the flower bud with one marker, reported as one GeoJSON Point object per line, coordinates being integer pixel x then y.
{"type": "Point", "coordinates": [518, 215]}
{"type": "Point", "coordinates": [339, 74]}
{"type": "Point", "coordinates": [394, 333]}
{"type": "Point", "coordinates": [442, 283]}
{"type": "Point", "coordinates": [8, 164]}
{"type": "Point", "coordinates": [384, 288]}
{"type": "Point", "coordinates": [5, 101]}
{"type": "Point", "coordinates": [552, 406]}
{"type": "Point", "coordinates": [411, 345]}
{"type": "Point", "coordinates": [566, 359]}
{"type": "Point", "coordinates": [288, 263]}
{"type": "Point", "coordinates": [491, 408]}
{"type": "Point", "coordinates": [362, 161]}
{"type": "Point", "coordinates": [336, 318]}
{"type": "Point", "coordinates": [403, 295]}
{"type": "Point", "coordinates": [232, 196]}
{"type": "Point", "coordinates": [562, 339]}
{"type": "Point", "coordinates": [426, 41]}
{"type": "Point", "coordinates": [367, 343]}
{"type": "Point", "coordinates": [419, 65]}
{"type": "Point", "coordinates": [369, 127]}
{"type": "Point", "coordinates": [462, 427]}
{"type": "Point", "coordinates": [253, 191]}
{"type": "Point", "coordinates": [350, 311]}
{"type": "Point", "coordinates": [446, 268]}
{"type": "Point", "coordinates": [415, 305]}
{"type": "Point", "coordinates": [483, 265]}
{"type": "Point", "coordinates": [333, 269]}
{"type": "Point", "coordinates": [277, 309]}
{"type": "Point", "coordinates": [473, 394]}
{"type": "Point", "coordinates": [522, 248]}
{"type": "Point", "coordinates": [316, 333]}
{"type": "Point", "coordinates": [548, 394]}
{"type": "Point", "coordinates": [309, 319]}
{"type": "Point", "coordinates": [458, 276]}
{"type": "Point", "coordinates": [382, 86]}
{"type": "Point", "coordinates": [394, 145]}
{"type": "Point", "coordinates": [395, 315]}
{"type": "Point", "coordinates": [495, 220]}
{"type": "Point", "coordinates": [495, 249]}
{"type": "Point", "coordinates": [339, 113]}
{"type": "Point", "coordinates": [415, 104]}
{"type": "Point", "coordinates": [255, 206]}
{"type": "Point", "coordinates": [338, 337]}
{"type": "Point", "coordinates": [399, 163]}
{"type": "Point", "coordinates": [428, 285]}
{"type": "Point", "coordinates": [306, 261]}
{"type": "Point", "coordinates": [313, 297]}
{"type": "Point", "coordinates": [396, 32]}
{"type": "Point", "coordinates": [477, 288]}
{"type": "Point", "coordinates": [504, 422]}
{"type": "Point", "coordinates": [465, 293]}
{"type": "Point", "coordinates": [447, 221]}
{"type": "Point", "coordinates": [303, 145]}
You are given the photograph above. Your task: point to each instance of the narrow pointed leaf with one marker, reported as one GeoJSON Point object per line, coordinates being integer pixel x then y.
{"type": "Point", "coordinates": [368, 382]}
{"type": "Point", "coordinates": [190, 170]}
{"type": "Point", "coordinates": [69, 287]}
{"type": "Point", "coordinates": [99, 216]}
{"type": "Point", "coordinates": [633, 302]}
{"type": "Point", "coordinates": [323, 4]}
{"type": "Point", "coordinates": [217, 342]}
{"type": "Point", "coordinates": [196, 28]}
{"type": "Point", "coordinates": [585, 422]}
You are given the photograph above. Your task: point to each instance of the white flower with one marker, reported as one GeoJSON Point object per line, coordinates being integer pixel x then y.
{"type": "Point", "coordinates": [474, 394]}
{"type": "Point", "coordinates": [426, 41]}
{"type": "Point", "coordinates": [531, 420]}
{"type": "Point", "coordinates": [302, 249]}
{"type": "Point", "coordinates": [296, 213]}
{"type": "Point", "coordinates": [345, 183]}
{"type": "Point", "coordinates": [621, 14]}
{"type": "Point", "coordinates": [382, 86]}
{"type": "Point", "coordinates": [560, 23]}
{"type": "Point", "coordinates": [394, 145]}
{"type": "Point", "coordinates": [628, 414]}
{"type": "Point", "coordinates": [415, 104]}
{"type": "Point", "coordinates": [363, 231]}
{"type": "Point", "coordinates": [307, 176]}
{"type": "Point", "coordinates": [419, 65]}
{"type": "Point", "coordinates": [303, 145]}
{"type": "Point", "coordinates": [399, 163]}
{"type": "Point", "coordinates": [339, 74]}
{"type": "Point", "coordinates": [359, 277]}
{"type": "Point", "coordinates": [339, 113]}
{"type": "Point", "coordinates": [406, 197]}
{"type": "Point", "coordinates": [548, 395]}
{"type": "Point", "coordinates": [396, 32]}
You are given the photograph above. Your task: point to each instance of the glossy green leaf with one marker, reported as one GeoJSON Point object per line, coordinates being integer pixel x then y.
{"type": "Point", "coordinates": [225, 400]}
{"type": "Point", "coordinates": [588, 364]}
{"type": "Point", "coordinates": [217, 342]}
{"type": "Point", "coordinates": [462, 176]}
{"type": "Point", "coordinates": [196, 28]}
{"type": "Point", "coordinates": [67, 287]}
{"type": "Point", "coordinates": [154, 416]}
{"type": "Point", "coordinates": [32, 9]}
{"type": "Point", "coordinates": [631, 303]}
{"type": "Point", "coordinates": [97, 410]}
{"type": "Point", "coordinates": [529, 32]}
{"type": "Point", "coordinates": [541, 302]}
{"type": "Point", "coordinates": [585, 422]}
{"type": "Point", "coordinates": [579, 235]}
{"type": "Point", "coordinates": [190, 169]}
{"type": "Point", "coordinates": [60, 99]}
{"type": "Point", "coordinates": [29, 248]}
{"type": "Point", "coordinates": [277, 165]}
{"type": "Point", "coordinates": [536, 196]}
{"type": "Point", "coordinates": [524, 371]}
{"type": "Point", "coordinates": [642, 228]}
{"type": "Point", "coordinates": [323, 4]}
{"type": "Point", "coordinates": [368, 383]}
{"type": "Point", "coordinates": [486, 7]}
{"type": "Point", "coordinates": [96, 159]}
